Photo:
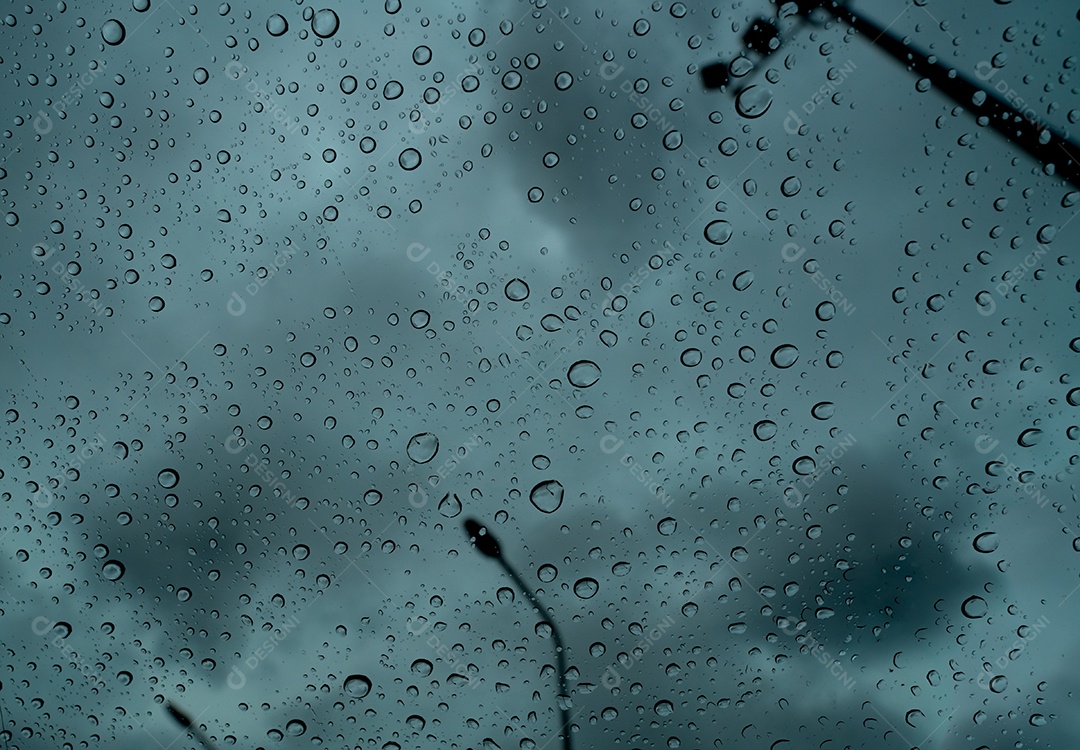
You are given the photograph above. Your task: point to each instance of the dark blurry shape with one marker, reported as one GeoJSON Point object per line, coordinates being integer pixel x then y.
{"type": "Point", "coordinates": [185, 721]}
{"type": "Point", "coordinates": [762, 37]}
{"type": "Point", "coordinates": [1037, 139]}
{"type": "Point", "coordinates": [481, 538]}
{"type": "Point", "coordinates": [715, 75]}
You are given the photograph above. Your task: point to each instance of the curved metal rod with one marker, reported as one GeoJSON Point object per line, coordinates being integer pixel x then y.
{"type": "Point", "coordinates": [486, 544]}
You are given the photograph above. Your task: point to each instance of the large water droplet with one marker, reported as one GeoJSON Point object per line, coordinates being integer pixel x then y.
{"type": "Point", "coordinates": [516, 290]}
{"type": "Point", "coordinates": [325, 23]}
{"type": "Point", "coordinates": [986, 542]}
{"type": "Point", "coordinates": [450, 506]}
{"type": "Point", "coordinates": [718, 232]}
{"type": "Point", "coordinates": [113, 32]}
{"type": "Point", "coordinates": [547, 496]}
{"type": "Point", "coordinates": [586, 588]}
{"type": "Point", "coordinates": [753, 101]}
{"type": "Point", "coordinates": [583, 373]}
{"type": "Point", "coordinates": [784, 356]}
{"type": "Point", "coordinates": [113, 570]}
{"type": "Point", "coordinates": [357, 685]}
{"type": "Point", "coordinates": [422, 447]}
{"type": "Point", "coordinates": [974, 607]}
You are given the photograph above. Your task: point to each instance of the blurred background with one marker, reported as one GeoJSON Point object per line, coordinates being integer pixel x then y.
{"type": "Point", "coordinates": [766, 391]}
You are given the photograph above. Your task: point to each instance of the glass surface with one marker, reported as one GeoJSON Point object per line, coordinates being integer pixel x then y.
{"type": "Point", "coordinates": [763, 394]}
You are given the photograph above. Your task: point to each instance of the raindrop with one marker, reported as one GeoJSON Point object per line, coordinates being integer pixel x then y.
{"type": "Point", "coordinates": [357, 685]}
{"type": "Point", "coordinates": [113, 570]}
{"type": "Point", "coordinates": [718, 232]}
{"type": "Point", "coordinates": [409, 159]}
{"type": "Point", "coordinates": [547, 496]}
{"type": "Point", "coordinates": [986, 542]}
{"type": "Point", "coordinates": [586, 588]}
{"type": "Point", "coordinates": [547, 573]}
{"type": "Point", "coordinates": [168, 478]}
{"type": "Point", "coordinates": [691, 357]}
{"type": "Point", "coordinates": [743, 281]}
{"type": "Point", "coordinates": [673, 140]}
{"type": "Point", "coordinates": [667, 526]}
{"type": "Point", "coordinates": [765, 430]}
{"type": "Point", "coordinates": [753, 102]}
{"type": "Point", "coordinates": [422, 55]}
{"type": "Point", "coordinates": [1029, 438]}
{"type": "Point", "coordinates": [325, 23]}
{"type": "Point", "coordinates": [421, 667]}
{"type": "Point", "coordinates": [583, 373]}
{"type": "Point", "coordinates": [974, 607]}
{"type": "Point", "coordinates": [422, 447]}
{"type": "Point", "coordinates": [276, 25]}
{"type": "Point", "coordinates": [450, 506]}
{"type": "Point", "coordinates": [516, 290]}
{"type": "Point", "coordinates": [113, 32]}
{"type": "Point", "coordinates": [784, 356]}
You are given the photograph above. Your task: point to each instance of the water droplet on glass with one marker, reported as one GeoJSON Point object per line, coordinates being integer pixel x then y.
{"type": "Point", "coordinates": [113, 570]}
{"type": "Point", "coordinates": [753, 101]}
{"type": "Point", "coordinates": [168, 478]}
{"type": "Point", "coordinates": [986, 542]}
{"type": "Point", "coordinates": [516, 290]}
{"type": "Point", "coordinates": [974, 607]}
{"type": "Point", "coordinates": [583, 373]}
{"type": "Point", "coordinates": [765, 430]}
{"type": "Point", "coordinates": [586, 588]}
{"type": "Point", "coordinates": [325, 23]}
{"type": "Point", "coordinates": [450, 506]}
{"type": "Point", "coordinates": [409, 159]}
{"type": "Point", "coordinates": [1029, 438]}
{"type": "Point", "coordinates": [422, 447]}
{"type": "Point", "coordinates": [276, 25]}
{"type": "Point", "coordinates": [784, 356]}
{"type": "Point", "coordinates": [357, 685]}
{"type": "Point", "coordinates": [547, 496]}
{"type": "Point", "coordinates": [113, 32]}
{"type": "Point", "coordinates": [718, 232]}
{"type": "Point", "coordinates": [547, 573]}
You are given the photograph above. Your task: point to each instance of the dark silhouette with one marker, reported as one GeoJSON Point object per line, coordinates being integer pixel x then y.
{"type": "Point", "coordinates": [185, 721]}
{"type": "Point", "coordinates": [1034, 137]}
{"type": "Point", "coordinates": [486, 544]}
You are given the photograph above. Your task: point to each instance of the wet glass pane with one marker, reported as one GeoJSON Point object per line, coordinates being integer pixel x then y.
{"type": "Point", "coordinates": [524, 375]}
